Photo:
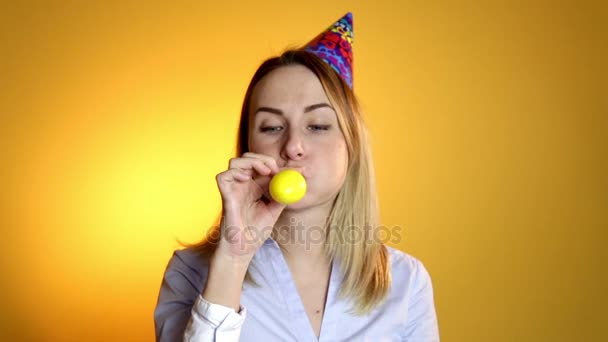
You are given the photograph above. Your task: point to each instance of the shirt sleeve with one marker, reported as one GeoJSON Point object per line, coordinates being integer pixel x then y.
{"type": "Point", "coordinates": [421, 325]}
{"type": "Point", "coordinates": [182, 314]}
{"type": "Point", "coordinates": [214, 322]}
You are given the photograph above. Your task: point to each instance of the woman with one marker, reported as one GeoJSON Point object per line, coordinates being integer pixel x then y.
{"type": "Point", "coordinates": [310, 271]}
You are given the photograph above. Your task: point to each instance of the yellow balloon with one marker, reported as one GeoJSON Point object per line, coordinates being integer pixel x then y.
{"type": "Point", "coordinates": [288, 187]}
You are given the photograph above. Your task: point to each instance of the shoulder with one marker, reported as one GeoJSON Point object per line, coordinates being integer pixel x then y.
{"type": "Point", "coordinates": [188, 263]}
{"type": "Point", "coordinates": [402, 261]}
{"type": "Point", "coordinates": [190, 258]}
{"type": "Point", "coordinates": [412, 295]}
{"type": "Point", "coordinates": [407, 270]}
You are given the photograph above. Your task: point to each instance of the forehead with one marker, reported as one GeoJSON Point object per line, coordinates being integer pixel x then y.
{"type": "Point", "coordinates": [288, 87]}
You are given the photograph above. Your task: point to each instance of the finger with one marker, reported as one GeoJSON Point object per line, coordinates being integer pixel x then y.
{"type": "Point", "coordinates": [263, 183]}
{"type": "Point", "coordinates": [241, 175]}
{"type": "Point", "coordinates": [268, 160]}
{"type": "Point", "coordinates": [233, 175]}
{"type": "Point", "coordinates": [275, 208]}
{"type": "Point", "coordinates": [249, 163]}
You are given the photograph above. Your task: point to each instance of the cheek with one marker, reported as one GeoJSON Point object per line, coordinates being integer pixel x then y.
{"type": "Point", "coordinates": [254, 144]}
{"type": "Point", "coordinates": [336, 161]}
{"type": "Point", "coordinates": [343, 161]}
{"type": "Point", "coordinates": [261, 145]}
{"type": "Point", "coordinates": [340, 152]}
{"type": "Point", "coordinates": [257, 142]}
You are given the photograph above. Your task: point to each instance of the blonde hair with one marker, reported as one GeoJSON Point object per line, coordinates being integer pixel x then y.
{"type": "Point", "coordinates": [354, 216]}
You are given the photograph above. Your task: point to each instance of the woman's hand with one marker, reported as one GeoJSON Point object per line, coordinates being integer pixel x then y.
{"type": "Point", "coordinates": [249, 213]}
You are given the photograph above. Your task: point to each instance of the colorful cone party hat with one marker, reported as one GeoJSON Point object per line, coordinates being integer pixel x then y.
{"type": "Point", "coordinates": [334, 46]}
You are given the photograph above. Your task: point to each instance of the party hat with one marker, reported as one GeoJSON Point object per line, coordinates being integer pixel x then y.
{"type": "Point", "coordinates": [334, 46]}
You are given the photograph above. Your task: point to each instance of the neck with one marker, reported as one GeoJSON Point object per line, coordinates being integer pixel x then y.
{"type": "Point", "coordinates": [301, 235]}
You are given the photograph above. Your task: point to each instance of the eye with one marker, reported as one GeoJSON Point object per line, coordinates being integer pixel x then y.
{"type": "Point", "coordinates": [271, 129]}
{"type": "Point", "coordinates": [319, 127]}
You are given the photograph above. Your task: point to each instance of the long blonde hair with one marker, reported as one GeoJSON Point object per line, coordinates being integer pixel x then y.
{"type": "Point", "coordinates": [351, 226]}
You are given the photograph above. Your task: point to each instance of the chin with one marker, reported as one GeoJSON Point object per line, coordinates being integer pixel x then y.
{"type": "Point", "coordinates": [307, 202]}
{"type": "Point", "coordinates": [303, 204]}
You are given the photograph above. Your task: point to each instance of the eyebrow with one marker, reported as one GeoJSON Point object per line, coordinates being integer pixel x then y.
{"type": "Point", "coordinates": [306, 109]}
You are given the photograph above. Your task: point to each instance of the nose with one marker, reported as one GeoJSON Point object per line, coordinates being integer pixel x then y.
{"type": "Point", "coordinates": [293, 147]}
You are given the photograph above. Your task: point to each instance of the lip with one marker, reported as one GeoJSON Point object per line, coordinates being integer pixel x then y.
{"type": "Point", "coordinates": [300, 169]}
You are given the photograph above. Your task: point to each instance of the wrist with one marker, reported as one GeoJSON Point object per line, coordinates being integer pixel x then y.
{"type": "Point", "coordinates": [225, 255]}
{"type": "Point", "coordinates": [225, 279]}
{"type": "Point", "coordinates": [229, 265]}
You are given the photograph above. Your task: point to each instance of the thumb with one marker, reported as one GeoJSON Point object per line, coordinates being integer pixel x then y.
{"type": "Point", "coordinates": [275, 208]}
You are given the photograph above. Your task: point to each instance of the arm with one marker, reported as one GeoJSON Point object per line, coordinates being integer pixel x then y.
{"type": "Point", "coordinates": [217, 314]}
{"type": "Point", "coordinates": [214, 322]}
{"type": "Point", "coordinates": [243, 229]}
{"type": "Point", "coordinates": [183, 314]}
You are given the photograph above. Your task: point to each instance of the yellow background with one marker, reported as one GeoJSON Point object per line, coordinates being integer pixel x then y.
{"type": "Point", "coordinates": [488, 125]}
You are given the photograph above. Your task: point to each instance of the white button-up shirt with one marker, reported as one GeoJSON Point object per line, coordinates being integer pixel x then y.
{"type": "Point", "coordinates": [275, 312]}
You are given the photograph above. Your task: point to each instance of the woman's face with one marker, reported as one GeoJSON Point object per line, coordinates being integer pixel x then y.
{"type": "Point", "coordinates": [292, 121]}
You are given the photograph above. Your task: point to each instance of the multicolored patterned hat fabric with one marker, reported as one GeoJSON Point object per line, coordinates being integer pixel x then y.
{"type": "Point", "coordinates": [335, 47]}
